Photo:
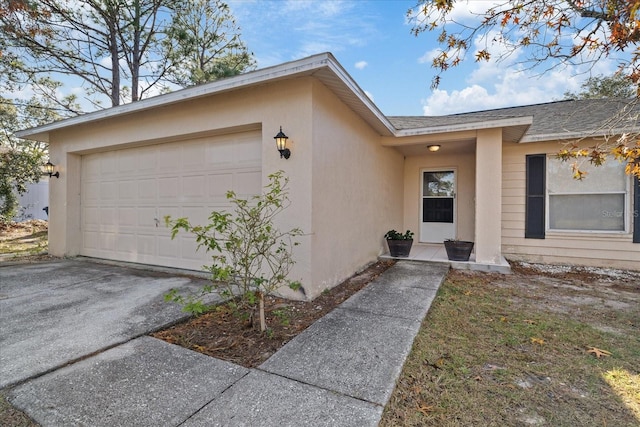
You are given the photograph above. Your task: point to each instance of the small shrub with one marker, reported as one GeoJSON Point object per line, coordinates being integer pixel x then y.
{"type": "Point", "coordinates": [251, 258]}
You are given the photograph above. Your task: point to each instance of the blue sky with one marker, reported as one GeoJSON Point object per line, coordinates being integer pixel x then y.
{"type": "Point", "coordinates": [372, 40]}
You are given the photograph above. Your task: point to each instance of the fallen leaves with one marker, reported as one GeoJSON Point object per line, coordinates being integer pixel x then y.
{"type": "Point", "coordinates": [424, 408]}
{"type": "Point", "coordinates": [597, 352]}
{"type": "Point", "coordinates": [538, 341]}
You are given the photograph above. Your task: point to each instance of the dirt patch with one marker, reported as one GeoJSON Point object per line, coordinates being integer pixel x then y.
{"type": "Point", "coordinates": [580, 291]}
{"type": "Point", "coordinates": [222, 334]}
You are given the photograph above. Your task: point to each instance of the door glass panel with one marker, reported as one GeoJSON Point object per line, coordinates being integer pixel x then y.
{"type": "Point", "coordinates": [438, 184]}
{"type": "Point", "coordinates": [437, 210]}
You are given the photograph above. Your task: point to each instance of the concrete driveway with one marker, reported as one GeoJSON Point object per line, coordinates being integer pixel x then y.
{"type": "Point", "coordinates": [52, 313]}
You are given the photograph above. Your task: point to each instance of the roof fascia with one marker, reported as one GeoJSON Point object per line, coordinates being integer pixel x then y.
{"type": "Point", "coordinates": [351, 84]}
{"type": "Point", "coordinates": [563, 136]}
{"type": "Point", "coordinates": [487, 124]}
{"type": "Point", "coordinates": [270, 74]}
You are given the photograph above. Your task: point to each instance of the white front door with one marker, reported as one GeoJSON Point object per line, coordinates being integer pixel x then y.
{"type": "Point", "coordinates": [438, 206]}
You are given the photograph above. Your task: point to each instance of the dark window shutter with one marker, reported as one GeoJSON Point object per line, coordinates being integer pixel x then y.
{"type": "Point", "coordinates": [534, 225]}
{"type": "Point", "coordinates": [636, 210]}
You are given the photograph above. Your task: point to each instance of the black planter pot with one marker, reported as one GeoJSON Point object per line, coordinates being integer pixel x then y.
{"type": "Point", "coordinates": [399, 248]}
{"type": "Point", "coordinates": [458, 250]}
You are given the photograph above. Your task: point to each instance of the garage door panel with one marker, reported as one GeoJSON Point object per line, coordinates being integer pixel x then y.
{"type": "Point", "coordinates": [109, 190]}
{"type": "Point", "coordinates": [108, 241]}
{"type": "Point", "coordinates": [247, 152]}
{"type": "Point", "coordinates": [147, 189]}
{"type": "Point", "coordinates": [169, 157]}
{"type": "Point", "coordinates": [146, 161]}
{"type": "Point", "coordinates": [247, 183]}
{"type": "Point", "coordinates": [126, 242]}
{"type": "Point", "coordinates": [91, 240]}
{"type": "Point", "coordinates": [172, 211]}
{"type": "Point", "coordinates": [146, 218]}
{"type": "Point", "coordinates": [91, 168]}
{"type": "Point", "coordinates": [194, 156]}
{"type": "Point", "coordinates": [91, 216]}
{"type": "Point", "coordinates": [106, 164]}
{"type": "Point", "coordinates": [146, 244]}
{"type": "Point", "coordinates": [127, 217]}
{"type": "Point", "coordinates": [219, 155]}
{"type": "Point", "coordinates": [169, 187]}
{"type": "Point", "coordinates": [198, 215]}
{"type": "Point", "coordinates": [188, 249]}
{"type": "Point", "coordinates": [219, 184]}
{"type": "Point", "coordinates": [127, 190]}
{"type": "Point", "coordinates": [109, 218]}
{"type": "Point", "coordinates": [91, 192]}
{"type": "Point", "coordinates": [168, 248]}
{"type": "Point", "coordinates": [123, 212]}
{"type": "Point", "coordinates": [194, 187]}
{"type": "Point", "coordinates": [127, 164]}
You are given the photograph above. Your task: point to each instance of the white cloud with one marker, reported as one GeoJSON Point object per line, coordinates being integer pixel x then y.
{"type": "Point", "coordinates": [507, 80]}
{"type": "Point", "coordinates": [507, 86]}
{"type": "Point", "coordinates": [304, 27]}
{"type": "Point", "coordinates": [360, 65]}
{"type": "Point", "coordinates": [463, 12]}
{"type": "Point", "coordinates": [369, 94]}
{"type": "Point", "coordinates": [105, 62]}
{"type": "Point", "coordinates": [429, 56]}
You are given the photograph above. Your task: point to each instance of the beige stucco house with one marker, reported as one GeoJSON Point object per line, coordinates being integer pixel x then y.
{"type": "Point", "coordinates": [354, 174]}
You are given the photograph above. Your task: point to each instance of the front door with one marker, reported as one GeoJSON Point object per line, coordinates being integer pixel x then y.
{"type": "Point", "coordinates": [438, 207]}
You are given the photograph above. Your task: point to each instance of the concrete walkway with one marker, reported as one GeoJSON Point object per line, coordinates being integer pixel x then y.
{"type": "Point", "coordinates": [339, 372]}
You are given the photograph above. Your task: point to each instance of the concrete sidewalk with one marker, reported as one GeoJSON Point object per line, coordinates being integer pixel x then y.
{"type": "Point", "coordinates": [339, 372]}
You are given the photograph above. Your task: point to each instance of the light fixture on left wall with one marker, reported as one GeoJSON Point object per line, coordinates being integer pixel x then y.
{"type": "Point", "coordinates": [281, 144]}
{"type": "Point", "coordinates": [49, 168]}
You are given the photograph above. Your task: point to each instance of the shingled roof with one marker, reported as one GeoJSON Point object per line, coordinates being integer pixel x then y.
{"type": "Point", "coordinates": [553, 120]}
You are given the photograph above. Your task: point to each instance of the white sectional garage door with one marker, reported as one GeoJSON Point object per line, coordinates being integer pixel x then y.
{"type": "Point", "coordinates": [127, 193]}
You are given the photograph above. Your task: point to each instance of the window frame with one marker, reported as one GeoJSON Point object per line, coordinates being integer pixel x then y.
{"type": "Point", "coordinates": [627, 203]}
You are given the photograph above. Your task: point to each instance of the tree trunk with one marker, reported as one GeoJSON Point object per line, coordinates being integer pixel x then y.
{"type": "Point", "coordinates": [263, 322]}
{"type": "Point", "coordinates": [135, 54]}
{"type": "Point", "coordinates": [115, 68]}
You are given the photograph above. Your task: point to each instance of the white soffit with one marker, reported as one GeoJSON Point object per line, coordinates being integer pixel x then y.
{"type": "Point", "coordinates": [513, 129]}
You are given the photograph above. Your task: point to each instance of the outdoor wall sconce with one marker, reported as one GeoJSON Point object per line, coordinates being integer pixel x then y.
{"type": "Point", "coordinates": [433, 148]}
{"type": "Point", "coordinates": [281, 144]}
{"type": "Point", "coordinates": [48, 168]}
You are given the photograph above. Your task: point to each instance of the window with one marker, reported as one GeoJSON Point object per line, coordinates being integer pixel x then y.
{"type": "Point", "coordinates": [597, 203]}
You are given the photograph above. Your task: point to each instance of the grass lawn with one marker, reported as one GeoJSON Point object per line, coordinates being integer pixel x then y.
{"type": "Point", "coordinates": [532, 348]}
{"type": "Point", "coordinates": [23, 238]}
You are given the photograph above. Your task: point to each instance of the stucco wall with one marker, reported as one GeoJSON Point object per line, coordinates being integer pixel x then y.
{"type": "Point", "coordinates": [464, 164]}
{"type": "Point", "coordinates": [287, 104]}
{"type": "Point", "coordinates": [581, 248]}
{"type": "Point", "coordinates": [357, 190]}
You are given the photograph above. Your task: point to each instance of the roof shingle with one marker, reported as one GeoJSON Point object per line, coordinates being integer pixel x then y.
{"type": "Point", "coordinates": [569, 117]}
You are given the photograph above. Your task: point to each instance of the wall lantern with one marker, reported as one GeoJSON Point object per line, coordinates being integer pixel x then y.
{"type": "Point", "coordinates": [433, 148]}
{"type": "Point", "coordinates": [48, 168]}
{"type": "Point", "coordinates": [281, 144]}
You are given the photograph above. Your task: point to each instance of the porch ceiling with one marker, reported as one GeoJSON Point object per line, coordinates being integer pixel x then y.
{"type": "Point", "coordinates": [446, 147]}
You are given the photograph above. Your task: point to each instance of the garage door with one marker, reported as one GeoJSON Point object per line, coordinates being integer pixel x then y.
{"type": "Point", "coordinates": [126, 193]}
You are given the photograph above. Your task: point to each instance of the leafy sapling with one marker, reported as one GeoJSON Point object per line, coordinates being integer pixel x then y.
{"type": "Point", "coordinates": [250, 257]}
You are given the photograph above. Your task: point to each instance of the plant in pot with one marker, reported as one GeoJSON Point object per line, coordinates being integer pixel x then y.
{"type": "Point", "coordinates": [458, 250]}
{"type": "Point", "coordinates": [399, 244]}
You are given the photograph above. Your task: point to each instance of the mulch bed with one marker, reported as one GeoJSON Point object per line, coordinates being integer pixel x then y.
{"type": "Point", "coordinates": [221, 333]}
